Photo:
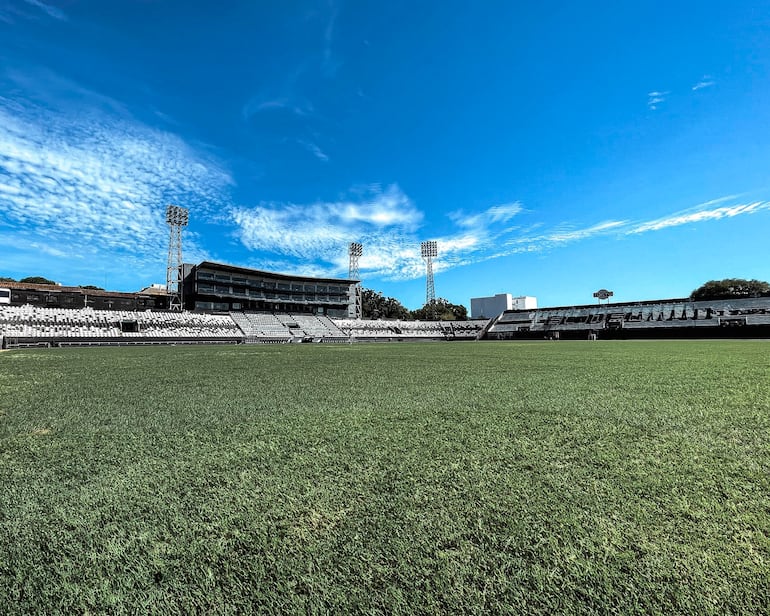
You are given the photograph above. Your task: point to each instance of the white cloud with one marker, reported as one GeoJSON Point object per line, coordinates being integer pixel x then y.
{"type": "Point", "coordinates": [85, 182]}
{"type": "Point", "coordinates": [689, 217]}
{"type": "Point", "coordinates": [384, 220]}
{"type": "Point", "coordinates": [493, 215]}
{"type": "Point", "coordinates": [388, 224]}
{"type": "Point", "coordinates": [258, 104]}
{"type": "Point", "coordinates": [329, 65]}
{"type": "Point", "coordinates": [29, 9]}
{"type": "Point", "coordinates": [315, 150]}
{"type": "Point", "coordinates": [51, 11]}
{"type": "Point", "coordinates": [705, 82]}
{"type": "Point", "coordinates": [562, 234]}
{"type": "Point", "coordinates": [655, 98]}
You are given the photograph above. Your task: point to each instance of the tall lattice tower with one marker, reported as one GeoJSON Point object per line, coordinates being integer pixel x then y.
{"type": "Point", "coordinates": [176, 218]}
{"type": "Point", "coordinates": [428, 251]}
{"type": "Point", "coordinates": [355, 250]}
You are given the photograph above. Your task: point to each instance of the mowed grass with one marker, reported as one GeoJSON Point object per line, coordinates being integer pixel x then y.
{"type": "Point", "coordinates": [474, 478]}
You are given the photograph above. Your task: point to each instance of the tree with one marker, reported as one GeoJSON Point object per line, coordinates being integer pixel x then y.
{"type": "Point", "coordinates": [731, 288]}
{"type": "Point", "coordinates": [375, 305]}
{"type": "Point", "coordinates": [441, 310]}
{"type": "Point", "coordinates": [6, 279]}
{"type": "Point", "coordinates": [37, 280]}
{"type": "Point", "coordinates": [91, 287]}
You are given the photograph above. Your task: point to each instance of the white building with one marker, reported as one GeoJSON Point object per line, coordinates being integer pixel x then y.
{"type": "Point", "coordinates": [489, 307]}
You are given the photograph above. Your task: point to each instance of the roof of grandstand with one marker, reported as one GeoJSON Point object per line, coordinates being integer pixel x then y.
{"type": "Point", "coordinates": [154, 290]}
{"type": "Point", "coordinates": [64, 289]}
{"type": "Point", "coordinates": [248, 270]}
{"type": "Point", "coordinates": [645, 302]}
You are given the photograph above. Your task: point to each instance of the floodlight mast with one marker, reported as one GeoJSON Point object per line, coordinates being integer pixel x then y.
{"type": "Point", "coordinates": [176, 218]}
{"type": "Point", "coordinates": [355, 251]}
{"type": "Point", "coordinates": [428, 250]}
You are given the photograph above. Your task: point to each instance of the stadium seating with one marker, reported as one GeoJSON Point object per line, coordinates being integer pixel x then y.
{"type": "Point", "coordinates": [22, 325]}
{"type": "Point", "coordinates": [382, 329]}
{"type": "Point", "coordinates": [673, 315]}
{"type": "Point", "coordinates": [261, 327]}
{"type": "Point", "coordinates": [34, 326]}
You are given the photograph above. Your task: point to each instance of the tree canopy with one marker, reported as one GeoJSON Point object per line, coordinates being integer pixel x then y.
{"type": "Point", "coordinates": [37, 280]}
{"type": "Point", "coordinates": [375, 305]}
{"type": "Point", "coordinates": [731, 288]}
{"type": "Point", "coordinates": [441, 310]}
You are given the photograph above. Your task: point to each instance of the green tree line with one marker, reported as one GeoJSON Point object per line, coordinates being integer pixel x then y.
{"type": "Point", "coordinates": [375, 305]}
{"type": "Point", "coordinates": [731, 288]}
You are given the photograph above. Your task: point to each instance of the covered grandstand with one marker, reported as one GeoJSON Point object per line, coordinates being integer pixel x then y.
{"type": "Point", "coordinates": [670, 318]}
{"type": "Point", "coordinates": [222, 304]}
{"type": "Point", "coordinates": [29, 325]}
{"type": "Point", "coordinates": [216, 287]}
{"type": "Point", "coordinates": [229, 304]}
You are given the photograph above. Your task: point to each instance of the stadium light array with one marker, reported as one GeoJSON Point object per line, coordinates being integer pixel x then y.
{"type": "Point", "coordinates": [177, 216]}
{"type": "Point", "coordinates": [429, 249]}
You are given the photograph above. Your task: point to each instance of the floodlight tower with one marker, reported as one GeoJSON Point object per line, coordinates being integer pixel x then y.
{"type": "Point", "coordinates": [428, 251]}
{"type": "Point", "coordinates": [176, 218]}
{"type": "Point", "coordinates": [355, 250]}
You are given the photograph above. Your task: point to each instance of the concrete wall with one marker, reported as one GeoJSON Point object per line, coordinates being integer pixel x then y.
{"type": "Point", "coordinates": [524, 303]}
{"type": "Point", "coordinates": [490, 307]}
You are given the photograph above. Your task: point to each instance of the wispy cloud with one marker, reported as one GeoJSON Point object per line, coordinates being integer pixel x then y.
{"type": "Point", "coordinates": [314, 149]}
{"type": "Point", "coordinates": [496, 214]}
{"type": "Point", "coordinates": [90, 184]}
{"type": "Point", "coordinates": [12, 12]}
{"type": "Point", "coordinates": [654, 99]}
{"type": "Point", "coordinates": [699, 215]}
{"type": "Point", "coordinates": [49, 10]}
{"type": "Point", "coordinates": [389, 225]}
{"type": "Point", "coordinates": [319, 232]}
{"type": "Point", "coordinates": [259, 104]}
{"type": "Point", "coordinates": [330, 66]}
{"type": "Point", "coordinates": [83, 182]}
{"type": "Point", "coordinates": [565, 235]}
{"type": "Point", "coordinates": [705, 82]}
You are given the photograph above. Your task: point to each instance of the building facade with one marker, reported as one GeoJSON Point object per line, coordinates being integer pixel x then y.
{"type": "Point", "coordinates": [58, 296]}
{"type": "Point", "coordinates": [216, 287]}
{"type": "Point", "coordinates": [490, 307]}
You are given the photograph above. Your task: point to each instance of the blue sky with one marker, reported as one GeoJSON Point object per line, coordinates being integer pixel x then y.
{"type": "Point", "coordinates": [550, 148]}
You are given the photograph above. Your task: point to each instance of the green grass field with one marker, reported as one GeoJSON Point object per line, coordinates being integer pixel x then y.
{"type": "Point", "coordinates": [434, 478]}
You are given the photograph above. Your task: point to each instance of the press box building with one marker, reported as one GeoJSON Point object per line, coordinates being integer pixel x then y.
{"type": "Point", "coordinates": [216, 287]}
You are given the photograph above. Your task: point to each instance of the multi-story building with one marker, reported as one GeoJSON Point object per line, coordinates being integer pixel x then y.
{"type": "Point", "coordinates": [217, 287]}
{"type": "Point", "coordinates": [489, 307]}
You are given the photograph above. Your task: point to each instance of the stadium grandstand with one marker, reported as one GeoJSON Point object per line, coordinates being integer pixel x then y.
{"type": "Point", "coordinates": [223, 288]}
{"type": "Point", "coordinates": [393, 330]}
{"type": "Point", "coordinates": [26, 326]}
{"type": "Point", "coordinates": [670, 318]}
{"type": "Point", "coordinates": [235, 305]}
{"type": "Point", "coordinates": [29, 325]}
{"type": "Point", "coordinates": [223, 304]}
